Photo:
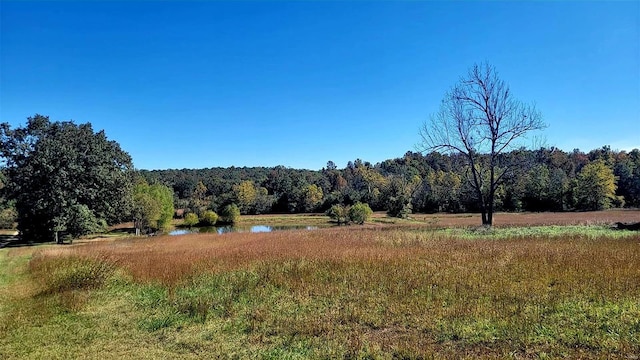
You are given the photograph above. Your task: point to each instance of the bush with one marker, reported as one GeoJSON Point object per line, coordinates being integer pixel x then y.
{"type": "Point", "coordinates": [359, 213]}
{"type": "Point", "coordinates": [339, 213]}
{"type": "Point", "coordinates": [81, 221]}
{"type": "Point", "coordinates": [209, 218]}
{"type": "Point", "coordinates": [8, 218]}
{"type": "Point", "coordinates": [230, 214]}
{"type": "Point", "coordinates": [190, 220]}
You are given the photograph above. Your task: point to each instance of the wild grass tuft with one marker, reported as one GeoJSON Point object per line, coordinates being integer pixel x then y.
{"type": "Point", "coordinates": [57, 274]}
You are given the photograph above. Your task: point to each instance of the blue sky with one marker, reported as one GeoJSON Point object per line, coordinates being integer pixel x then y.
{"type": "Point", "coordinates": [204, 84]}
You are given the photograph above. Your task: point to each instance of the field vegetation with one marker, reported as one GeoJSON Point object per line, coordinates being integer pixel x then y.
{"type": "Point", "coordinates": [400, 290]}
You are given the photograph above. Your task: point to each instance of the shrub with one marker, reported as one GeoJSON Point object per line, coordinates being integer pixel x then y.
{"type": "Point", "coordinates": [359, 213]}
{"type": "Point", "coordinates": [339, 213]}
{"type": "Point", "coordinates": [81, 221]}
{"type": "Point", "coordinates": [190, 219]}
{"type": "Point", "coordinates": [8, 218]}
{"type": "Point", "coordinates": [230, 214]}
{"type": "Point", "coordinates": [209, 218]}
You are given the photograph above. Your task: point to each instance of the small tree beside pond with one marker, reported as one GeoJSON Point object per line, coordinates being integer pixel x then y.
{"type": "Point", "coordinates": [230, 214]}
{"type": "Point", "coordinates": [209, 218]}
{"type": "Point", "coordinates": [190, 220]}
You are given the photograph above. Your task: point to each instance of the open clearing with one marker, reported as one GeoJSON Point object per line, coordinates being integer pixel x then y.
{"type": "Point", "coordinates": [403, 290]}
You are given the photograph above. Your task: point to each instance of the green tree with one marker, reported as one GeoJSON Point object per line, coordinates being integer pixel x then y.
{"type": "Point", "coordinates": [199, 200]}
{"type": "Point", "coordinates": [264, 201]}
{"type": "Point", "coordinates": [558, 189]}
{"type": "Point", "coordinates": [209, 218]}
{"type": "Point", "coordinates": [359, 213]}
{"type": "Point", "coordinates": [399, 194]}
{"type": "Point", "coordinates": [536, 188]}
{"type": "Point", "coordinates": [627, 170]}
{"type": "Point", "coordinates": [153, 207]}
{"type": "Point", "coordinates": [595, 187]}
{"type": "Point", "coordinates": [246, 194]}
{"type": "Point", "coordinates": [190, 219]}
{"type": "Point", "coordinates": [372, 184]}
{"type": "Point", "coordinates": [59, 172]}
{"type": "Point", "coordinates": [443, 190]}
{"type": "Point", "coordinates": [230, 214]}
{"type": "Point", "coordinates": [8, 214]}
{"type": "Point", "coordinates": [479, 119]}
{"type": "Point", "coordinates": [82, 221]}
{"type": "Point", "coordinates": [339, 213]}
{"type": "Point", "coordinates": [311, 197]}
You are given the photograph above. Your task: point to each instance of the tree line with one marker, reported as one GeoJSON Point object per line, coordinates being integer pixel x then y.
{"type": "Point", "coordinates": [547, 179]}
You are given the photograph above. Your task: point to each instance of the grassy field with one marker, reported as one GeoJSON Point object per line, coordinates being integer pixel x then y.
{"type": "Point", "coordinates": [385, 291]}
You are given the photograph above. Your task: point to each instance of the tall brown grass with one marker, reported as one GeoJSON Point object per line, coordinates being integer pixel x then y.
{"type": "Point", "coordinates": [382, 292]}
{"type": "Point", "coordinates": [534, 219]}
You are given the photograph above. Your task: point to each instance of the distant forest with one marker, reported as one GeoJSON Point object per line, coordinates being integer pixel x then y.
{"type": "Point", "coordinates": [547, 179]}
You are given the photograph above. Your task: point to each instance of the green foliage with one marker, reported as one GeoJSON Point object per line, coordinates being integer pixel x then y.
{"type": "Point", "coordinates": [359, 213]}
{"type": "Point", "coordinates": [8, 217]}
{"type": "Point", "coordinates": [209, 218]}
{"type": "Point", "coordinates": [339, 213]}
{"type": "Point", "coordinates": [595, 187]}
{"type": "Point", "coordinates": [245, 194]}
{"type": "Point", "coordinates": [311, 197]}
{"type": "Point", "coordinates": [532, 180]}
{"type": "Point", "coordinates": [59, 172]}
{"type": "Point", "coordinates": [81, 221]}
{"type": "Point", "coordinates": [199, 199]}
{"type": "Point", "coordinates": [153, 206]}
{"type": "Point", "coordinates": [230, 214]}
{"type": "Point", "coordinates": [400, 193]}
{"type": "Point", "coordinates": [441, 192]}
{"type": "Point", "coordinates": [190, 220]}
{"type": "Point", "coordinates": [627, 169]}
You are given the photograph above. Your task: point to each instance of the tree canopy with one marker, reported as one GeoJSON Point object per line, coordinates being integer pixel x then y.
{"type": "Point", "coordinates": [545, 180]}
{"type": "Point", "coordinates": [64, 177]}
{"type": "Point", "coordinates": [152, 206]}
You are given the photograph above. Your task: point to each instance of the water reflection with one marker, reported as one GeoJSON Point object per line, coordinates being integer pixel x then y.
{"type": "Point", "coordinates": [230, 229]}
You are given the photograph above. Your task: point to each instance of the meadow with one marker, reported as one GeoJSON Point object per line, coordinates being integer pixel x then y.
{"type": "Point", "coordinates": [535, 286]}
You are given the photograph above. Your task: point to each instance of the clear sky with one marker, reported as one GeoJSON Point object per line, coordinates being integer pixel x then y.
{"type": "Point", "coordinates": [208, 83]}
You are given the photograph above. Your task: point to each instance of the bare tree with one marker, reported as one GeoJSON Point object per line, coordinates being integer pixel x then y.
{"type": "Point", "coordinates": [480, 119]}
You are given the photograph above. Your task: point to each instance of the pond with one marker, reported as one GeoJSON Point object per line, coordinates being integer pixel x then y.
{"type": "Point", "coordinates": [230, 229]}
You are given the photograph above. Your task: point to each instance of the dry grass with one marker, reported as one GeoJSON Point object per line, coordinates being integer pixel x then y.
{"type": "Point", "coordinates": [351, 292]}
{"type": "Point", "coordinates": [533, 219]}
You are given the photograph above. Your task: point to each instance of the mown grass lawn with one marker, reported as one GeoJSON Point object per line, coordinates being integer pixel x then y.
{"type": "Point", "coordinates": [351, 292]}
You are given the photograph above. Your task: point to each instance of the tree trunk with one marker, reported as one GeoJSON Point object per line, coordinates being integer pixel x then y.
{"type": "Point", "coordinates": [58, 239]}
{"type": "Point", "coordinates": [485, 220]}
{"type": "Point", "coordinates": [492, 195]}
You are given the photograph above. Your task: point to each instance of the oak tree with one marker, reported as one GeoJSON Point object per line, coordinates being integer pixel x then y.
{"type": "Point", "coordinates": [64, 177]}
